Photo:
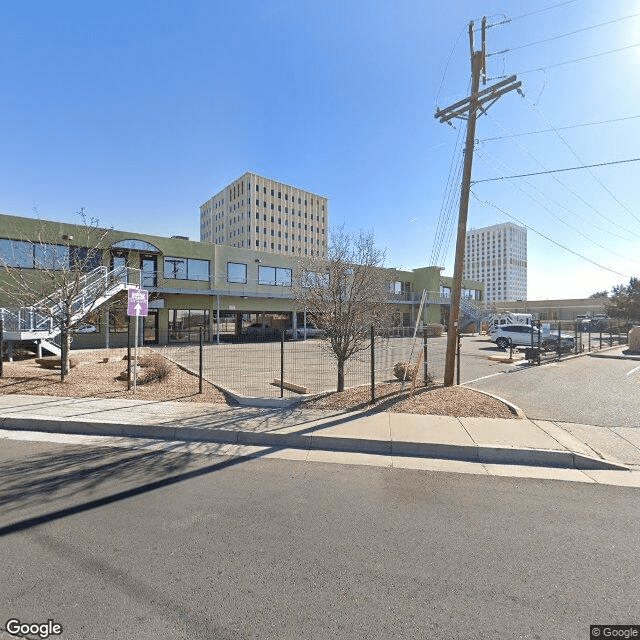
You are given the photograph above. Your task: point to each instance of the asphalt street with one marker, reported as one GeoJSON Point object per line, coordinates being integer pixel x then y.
{"type": "Point", "coordinates": [585, 390]}
{"type": "Point", "coordinates": [166, 543]}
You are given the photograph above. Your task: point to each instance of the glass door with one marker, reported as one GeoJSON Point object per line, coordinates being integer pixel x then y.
{"type": "Point", "coordinates": [119, 262]}
{"type": "Point", "coordinates": [150, 330]}
{"type": "Point", "coordinates": [149, 266]}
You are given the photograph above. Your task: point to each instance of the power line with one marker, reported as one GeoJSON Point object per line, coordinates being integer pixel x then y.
{"type": "Point", "coordinates": [569, 211]}
{"type": "Point", "coordinates": [532, 13]}
{"type": "Point", "coordinates": [540, 173]}
{"type": "Point", "coordinates": [446, 67]}
{"type": "Point", "coordinates": [557, 217]}
{"type": "Point", "coordinates": [595, 55]}
{"type": "Point", "coordinates": [566, 187]}
{"type": "Point", "coordinates": [542, 235]}
{"type": "Point", "coordinates": [573, 126]}
{"type": "Point", "coordinates": [579, 159]}
{"type": "Point", "coordinates": [564, 35]}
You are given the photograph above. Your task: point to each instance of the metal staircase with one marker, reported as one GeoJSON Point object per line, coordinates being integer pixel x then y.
{"type": "Point", "coordinates": [470, 312]}
{"type": "Point", "coordinates": [39, 322]}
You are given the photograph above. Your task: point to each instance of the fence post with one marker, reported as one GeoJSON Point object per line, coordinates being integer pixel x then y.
{"type": "Point", "coordinates": [575, 338]}
{"type": "Point", "coordinates": [458, 336]}
{"type": "Point", "coordinates": [1, 347]}
{"type": "Point", "coordinates": [533, 326]}
{"type": "Point", "coordinates": [559, 345]}
{"type": "Point", "coordinates": [589, 339]}
{"type": "Point", "coordinates": [539, 338]}
{"type": "Point", "coordinates": [600, 341]}
{"type": "Point", "coordinates": [200, 360]}
{"type": "Point", "coordinates": [425, 341]}
{"type": "Point", "coordinates": [610, 337]}
{"type": "Point", "coordinates": [373, 372]}
{"type": "Point", "coordinates": [282, 362]}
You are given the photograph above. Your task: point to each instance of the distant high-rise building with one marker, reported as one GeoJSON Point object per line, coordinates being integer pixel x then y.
{"type": "Point", "coordinates": [497, 256]}
{"type": "Point", "coordinates": [258, 213]}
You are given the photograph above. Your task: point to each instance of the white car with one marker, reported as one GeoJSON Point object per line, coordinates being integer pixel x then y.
{"type": "Point", "coordinates": [518, 334]}
{"type": "Point", "coordinates": [85, 328]}
{"type": "Point", "coordinates": [311, 330]}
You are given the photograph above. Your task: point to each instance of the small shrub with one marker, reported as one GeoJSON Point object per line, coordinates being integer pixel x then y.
{"type": "Point", "coordinates": [404, 370]}
{"type": "Point", "coordinates": [151, 360]}
{"type": "Point", "coordinates": [158, 369]}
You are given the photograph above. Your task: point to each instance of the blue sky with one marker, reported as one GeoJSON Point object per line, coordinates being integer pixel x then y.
{"type": "Point", "coordinates": [139, 111]}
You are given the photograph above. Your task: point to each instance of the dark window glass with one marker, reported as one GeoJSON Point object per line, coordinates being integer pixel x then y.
{"type": "Point", "coordinates": [84, 259]}
{"type": "Point", "coordinates": [16, 254]}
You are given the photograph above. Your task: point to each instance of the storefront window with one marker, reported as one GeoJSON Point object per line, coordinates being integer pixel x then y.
{"type": "Point", "coordinates": [184, 324]}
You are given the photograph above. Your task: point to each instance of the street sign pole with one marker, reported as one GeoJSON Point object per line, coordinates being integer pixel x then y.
{"type": "Point", "coordinates": [135, 358]}
{"type": "Point", "coordinates": [138, 304]}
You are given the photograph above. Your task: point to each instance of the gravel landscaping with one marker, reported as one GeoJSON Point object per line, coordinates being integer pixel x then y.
{"type": "Point", "coordinates": [97, 379]}
{"type": "Point", "coordinates": [93, 378]}
{"type": "Point", "coordinates": [434, 400]}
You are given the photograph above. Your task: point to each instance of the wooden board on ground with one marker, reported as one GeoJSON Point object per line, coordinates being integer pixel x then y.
{"type": "Point", "coordinates": [291, 386]}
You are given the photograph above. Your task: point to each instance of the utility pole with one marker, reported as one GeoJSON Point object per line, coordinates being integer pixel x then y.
{"type": "Point", "coordinates": [468, 109]}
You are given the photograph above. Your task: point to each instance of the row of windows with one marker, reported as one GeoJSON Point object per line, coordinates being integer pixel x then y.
{"type": "Point", "coordinates": [286, 223]}
{"type": "Point", "coordinates": [286, 210]}
{"type": "Point", "coordinates": [286, 196]}
{"type": "Point", "coordinates": [274, 276]}
{"type": "Point", "coordinates": [58, 257]}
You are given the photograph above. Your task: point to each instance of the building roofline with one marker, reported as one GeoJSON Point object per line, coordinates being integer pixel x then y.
{"type": "Point", "coordinates": [257, 175]}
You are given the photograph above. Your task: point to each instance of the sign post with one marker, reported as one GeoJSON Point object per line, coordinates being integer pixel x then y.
{"type": "Point", "coordinates": [137, 305]}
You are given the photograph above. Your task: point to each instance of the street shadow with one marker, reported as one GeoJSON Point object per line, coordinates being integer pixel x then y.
{"type": "Point", "coordinates": [77, 481]}
{"type": "Point", "coordinates": [81, 469]}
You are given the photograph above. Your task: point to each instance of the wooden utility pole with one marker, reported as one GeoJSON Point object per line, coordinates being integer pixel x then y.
{"type": "Point", "coordinates": [468, 108]}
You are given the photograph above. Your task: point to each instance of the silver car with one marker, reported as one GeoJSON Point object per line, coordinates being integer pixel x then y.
{"type": "Point", "coordinates": [311, 331]}
{"type": "Point", "coordinates": [519, 335]}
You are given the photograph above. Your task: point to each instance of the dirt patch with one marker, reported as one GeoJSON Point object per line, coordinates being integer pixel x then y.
{"type": "Point", "coordinates": [460, 402]}
{"type": "Point", "coordinates": [93, 378]}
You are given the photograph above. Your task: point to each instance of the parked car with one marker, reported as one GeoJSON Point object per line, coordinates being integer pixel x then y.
{"type": "Point", "coordinates": [550, 341]}
{"type": "Point", "coordinates": [311, 331]}
{"type": "Point", "coordinates": [258, 330]}
{"type": "Point", "coordinates": [518, 334]}
{"type": "Point", "coordinates": [85, 328]}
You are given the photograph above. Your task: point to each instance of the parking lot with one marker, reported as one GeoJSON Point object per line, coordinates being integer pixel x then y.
{"type": "Point", "coordinates": [573, 390]}
{"type": "Point", "coordinates": [249, 368]}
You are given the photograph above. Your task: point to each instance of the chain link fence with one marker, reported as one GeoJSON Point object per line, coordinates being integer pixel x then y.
{"type": "Point", "coordinates": [279, 367]}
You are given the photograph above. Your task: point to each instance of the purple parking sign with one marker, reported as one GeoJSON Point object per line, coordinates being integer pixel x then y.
{"type": "Point", "coordinates": [138, 301]}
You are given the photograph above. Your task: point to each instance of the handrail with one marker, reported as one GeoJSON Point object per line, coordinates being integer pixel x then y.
{"type": "Point", "coordinates": [96, 284]}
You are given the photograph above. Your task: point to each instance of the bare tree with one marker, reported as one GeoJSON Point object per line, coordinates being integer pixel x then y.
{"type": "Point", "coordinates": [346, 293]}
{"type": "Point", "coordinates": [51, 277]}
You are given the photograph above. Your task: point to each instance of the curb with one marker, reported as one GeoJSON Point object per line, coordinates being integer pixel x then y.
{"type": "Point", "coordinates": [312, 441]}
{"type": "Point", "coordinates": [517, 410]}
{"type": "Point", "coordinates": [610, 357]}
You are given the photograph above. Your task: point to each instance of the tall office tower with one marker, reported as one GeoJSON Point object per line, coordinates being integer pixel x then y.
{"type": "Point", "coordinates": [497, 256]}
{"type": "Point", "coordinates": [264, 215]}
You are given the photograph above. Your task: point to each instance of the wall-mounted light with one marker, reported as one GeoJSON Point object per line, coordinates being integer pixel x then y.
{"type": "Point", "coordinates": [67, 237]}
{"type": "Point", "coordinates": [258, 260]}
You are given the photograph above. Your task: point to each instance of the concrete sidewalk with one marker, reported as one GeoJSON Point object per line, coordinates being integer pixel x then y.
{"type": "Point", "coordinates": [485, 441]}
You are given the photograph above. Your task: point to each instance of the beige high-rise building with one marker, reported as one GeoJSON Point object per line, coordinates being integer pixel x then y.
{"type": "Point", "coordinates": [258, 213]}
{"type": "Point", "coordinates": [497, 256]}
